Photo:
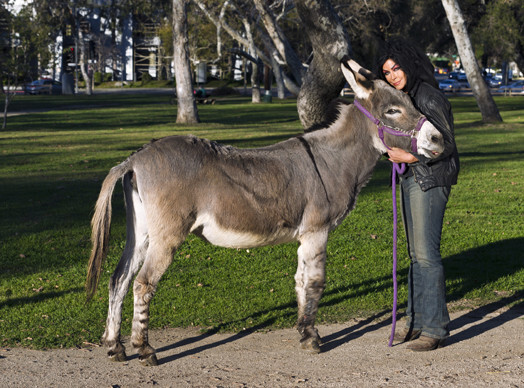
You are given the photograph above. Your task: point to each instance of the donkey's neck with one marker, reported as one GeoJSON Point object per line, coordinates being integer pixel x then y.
{"type": "Point", "coordinates": [348, 146]}
{"type": "Point", "coordinates": [346, 155]}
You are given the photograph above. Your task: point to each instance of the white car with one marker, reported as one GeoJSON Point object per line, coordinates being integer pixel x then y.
{"type": "Point", "coordinates": [449, 85]}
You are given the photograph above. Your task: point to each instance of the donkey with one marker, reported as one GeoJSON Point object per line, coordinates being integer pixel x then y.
{"type": "Point", "coordinates": [296, 190]}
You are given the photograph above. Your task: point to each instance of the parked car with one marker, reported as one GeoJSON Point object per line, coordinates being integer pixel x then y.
{"type": "Point", "coordinates": [43, 86]}
{"type": "Point", "coordinates": [458, 75]}
{"type": "Point", "coordinates": [453, 75]}
{"type": "Point", "coordinates": [495, 80]}
{"type": "Point", "coordinates": [514, 87]}
{"type": "Point", "coordinates": [449, 85]}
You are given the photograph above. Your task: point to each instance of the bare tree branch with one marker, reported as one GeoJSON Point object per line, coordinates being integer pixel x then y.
{"type": "Point", "coordinates": [269, 47]}
{"type": "Point", "coordinates": [280, 41]}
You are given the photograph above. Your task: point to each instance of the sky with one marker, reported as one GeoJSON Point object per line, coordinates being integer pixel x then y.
{"type": "Point", "coordinates": [17, 4]}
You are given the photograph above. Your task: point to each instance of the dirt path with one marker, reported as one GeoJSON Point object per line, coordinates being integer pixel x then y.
{"type": "Point", "coordinates": [485, 349]}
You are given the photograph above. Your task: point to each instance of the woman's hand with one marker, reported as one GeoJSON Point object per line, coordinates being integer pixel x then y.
{"type": "Point", "coordinates": [397, 155]}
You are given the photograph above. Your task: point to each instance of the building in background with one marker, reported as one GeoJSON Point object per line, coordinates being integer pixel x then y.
{"type": "Point", "coordinates": [119, 47]}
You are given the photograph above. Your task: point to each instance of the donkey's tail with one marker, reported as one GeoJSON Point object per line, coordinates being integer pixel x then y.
{"type": "Point", "coordinates": [101, 224]}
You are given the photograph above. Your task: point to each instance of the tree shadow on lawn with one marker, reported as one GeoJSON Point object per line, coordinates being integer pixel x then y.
{"type": "Point", "coordinates": [86, 121]}
{"type": "Point", "coordinates": [471, 269]}
{"type": "Point", "coordinates": [481, 258]}
{"type": "Point", "coordinates": [38, 297]}
{"type": "Point", "coordinates": [501, 156]}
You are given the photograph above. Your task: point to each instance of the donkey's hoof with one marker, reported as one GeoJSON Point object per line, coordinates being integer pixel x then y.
{"type": "Point", "coordinates": [148, 360]}
{"type": "Point", "coordinates": [117, 357]}
{"type": "Point", "coordinates": [311, 345]}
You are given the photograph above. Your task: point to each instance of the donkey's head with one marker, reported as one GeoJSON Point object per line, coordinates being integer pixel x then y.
{"type": "Point", "coordinates": [398, 121]}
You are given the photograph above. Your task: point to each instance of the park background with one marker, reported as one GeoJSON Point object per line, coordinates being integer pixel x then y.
{"type": "Point", "coordinates": [56, 150]}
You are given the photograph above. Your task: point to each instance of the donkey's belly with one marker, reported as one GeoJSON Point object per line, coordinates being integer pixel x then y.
{"type": "Point", "coordinates": [207, 228]}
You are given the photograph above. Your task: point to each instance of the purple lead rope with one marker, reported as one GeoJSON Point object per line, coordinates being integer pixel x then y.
{"type": "Point", "coordinates": [381, 128]}
{"type": "Point", "coordinates": [397, 168]}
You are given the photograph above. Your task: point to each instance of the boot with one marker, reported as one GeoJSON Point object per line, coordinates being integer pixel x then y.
{"type": "Point", "coordinates": [424, 344]}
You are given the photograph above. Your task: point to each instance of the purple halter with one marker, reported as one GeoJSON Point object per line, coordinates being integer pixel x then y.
{"type": "Point", "coordinates": [381, 127]}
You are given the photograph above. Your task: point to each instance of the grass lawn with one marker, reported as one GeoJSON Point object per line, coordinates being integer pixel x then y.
{"type": "Point", "coordinates": [52, 165]}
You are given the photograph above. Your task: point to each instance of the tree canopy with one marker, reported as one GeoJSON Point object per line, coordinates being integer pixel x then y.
{"type": "Point", "coordinates": [496, 27]}
{"type": "Point", "coordinates": [281, 35]}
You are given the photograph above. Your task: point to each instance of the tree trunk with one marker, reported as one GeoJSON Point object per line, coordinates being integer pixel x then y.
{"type": "Point", "coordinates": [187, 110]}
{"type": "Point", "coordinates": [87, 72]}
{"type": "Point", "coordinates": [255, 85]}
{"type": "Point", "coordinates": [519, 57]}
{"type": "Point", "coordinates": [323, 80]}
{"type": "Point", "coordinates": [8, 96]}
{"type": "Point", "coordinates": [485, 102]}
{"type": "Point", "coordinates": [277, 70]}
{"type": "Point", "coordinates": [6, 105]}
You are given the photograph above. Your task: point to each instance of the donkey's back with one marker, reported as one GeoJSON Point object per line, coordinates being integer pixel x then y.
{"type": "Point", "coordinates": [231, 197]}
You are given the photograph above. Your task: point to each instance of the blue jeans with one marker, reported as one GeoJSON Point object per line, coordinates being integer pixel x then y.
{"type": "Point", "coordinates": [423, 215]}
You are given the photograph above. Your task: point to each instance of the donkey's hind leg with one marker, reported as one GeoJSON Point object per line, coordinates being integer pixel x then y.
{"type": "Point", "coordinates": [159, 257]}
{"type": "Point", "coordinates": [310, 283]}
{"type": "Point", "coordinates": [132, 258]}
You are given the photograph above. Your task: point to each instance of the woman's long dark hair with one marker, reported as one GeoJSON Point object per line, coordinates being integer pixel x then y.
{"type": "Point", "coordinates": [411, 59]}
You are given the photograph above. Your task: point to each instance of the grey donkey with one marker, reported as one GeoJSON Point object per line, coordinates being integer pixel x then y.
{"type": "Point", "coordinates": [296, 190]}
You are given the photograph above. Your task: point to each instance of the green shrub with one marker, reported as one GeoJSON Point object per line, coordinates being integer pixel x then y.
{"type": "Point", "coordinates": [146, 78]}
{"type": "Point", "coordinates": [97, 77]}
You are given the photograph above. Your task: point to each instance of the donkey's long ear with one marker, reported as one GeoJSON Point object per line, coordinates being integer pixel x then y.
{"type": "Point", "coordinates": [360, 79]}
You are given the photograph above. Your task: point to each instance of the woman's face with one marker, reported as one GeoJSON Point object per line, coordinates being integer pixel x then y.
{"type": "Point", "coordinates": [394, 74]}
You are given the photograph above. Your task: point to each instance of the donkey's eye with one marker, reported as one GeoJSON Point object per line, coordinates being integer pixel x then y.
{"type": "Point", "coordinates": [392, 111]}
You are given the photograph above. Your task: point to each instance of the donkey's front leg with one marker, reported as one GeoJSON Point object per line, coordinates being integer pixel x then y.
{"type": "Point", "coordinates": [310, 283]}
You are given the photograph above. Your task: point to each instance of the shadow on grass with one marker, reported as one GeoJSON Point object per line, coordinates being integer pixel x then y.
{"type": "Point", "coordinates": [33, 206]}
{"type": "Point", "coordinates": [500, 156]}
{"type": "Point", "coordinates": [474, 268]}
{"type": "Point", "coordinates": [87, 120]}
{"type": "Point", "coordinates": [116, 115]}
{"type": "Point", "coordinates": [39, 297]}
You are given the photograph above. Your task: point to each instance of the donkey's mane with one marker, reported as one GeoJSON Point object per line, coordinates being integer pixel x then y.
{"type": "Point", "coordinates": [332, 114]}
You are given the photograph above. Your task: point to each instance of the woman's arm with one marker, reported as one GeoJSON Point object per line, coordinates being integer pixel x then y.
{"type": "Point", "coordinates": [437, 109]}
{"type": "Point", "coordinates": [398, 155]}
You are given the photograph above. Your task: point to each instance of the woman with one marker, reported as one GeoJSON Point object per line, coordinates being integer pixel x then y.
{"type": "Point", "coordinates": [425, 187]}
